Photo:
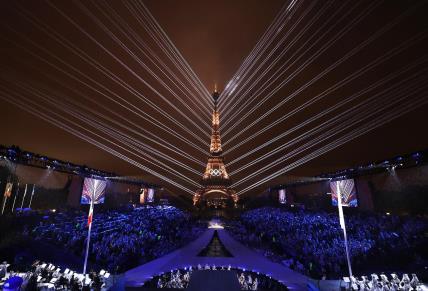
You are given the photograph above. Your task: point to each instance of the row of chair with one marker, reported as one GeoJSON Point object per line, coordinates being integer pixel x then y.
{"type": "Point", "coordinates": [50, 277]}
{"type": "Point", "coordinates": [382, 282]}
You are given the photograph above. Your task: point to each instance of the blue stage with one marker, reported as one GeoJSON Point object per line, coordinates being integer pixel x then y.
{"type": "Point", "coordinates": [243, 258]}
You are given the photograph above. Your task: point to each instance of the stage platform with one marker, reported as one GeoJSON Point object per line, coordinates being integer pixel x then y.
{"type": "Point", "coordinates": [214, 281]}
{"type": "Point", "coordinates": [243, 258]}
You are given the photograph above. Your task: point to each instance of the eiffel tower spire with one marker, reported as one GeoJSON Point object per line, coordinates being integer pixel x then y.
{"type": "Point", "coordinates": [215, 147]}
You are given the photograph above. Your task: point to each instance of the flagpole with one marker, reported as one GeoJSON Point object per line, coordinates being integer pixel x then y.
{"type": "Point", "coordinates": [343, 226]}
{"type": "Point", "coordinates": [23, 198]}
{"type": "Point", "coordinates": [14, 199]}
{"type": "Point", "coordinates": [91, 210]}
{"type": "Point", "coordinates": [32, 194]}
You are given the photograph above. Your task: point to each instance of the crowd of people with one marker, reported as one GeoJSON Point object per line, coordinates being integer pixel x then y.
{"type": "Point", "coordinates": [120, 240]}
{"type": "Point", "coordinates": [179, 279]}
{"type": "Point", "coordinates": [43, 276]}
{"type": "Point", "coordinates": [252, 281]}
{"type": "Point", "coordinates": [382, 282]}
{"type": "Point", "coordinates": [312, 242]}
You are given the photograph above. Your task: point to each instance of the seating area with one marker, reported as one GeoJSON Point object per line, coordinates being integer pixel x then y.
{"type": "Point", "coordinates": [120, 239]}
{"type": "Point", "coordinates": [312, 242]}
{"type": "Point", "coordinates": [382, 282]}
{"type": "Point", "coordinates": [44, 276]}
{"type": "Point", "coordinates": [306, 241]}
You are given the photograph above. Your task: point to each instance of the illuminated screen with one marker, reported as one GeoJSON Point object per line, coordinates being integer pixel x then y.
{"type": "Point", "coordinates": [151, 195]}
{"type": "Point", "coordinates": [282, 196]}
{"type": "Point", "coordinates": [8, 190]}
{"type": "Point", "coordinates": [93, 188]}
{"type": "Point", "coordinates": [143, 195]}
{"type": "Point", "coordinates": [347, 190]}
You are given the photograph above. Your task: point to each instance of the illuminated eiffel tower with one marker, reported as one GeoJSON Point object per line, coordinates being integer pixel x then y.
{"type": "Point", "coordinates": [216, 191]}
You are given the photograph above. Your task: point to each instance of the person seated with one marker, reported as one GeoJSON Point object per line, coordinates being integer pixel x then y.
{"type": "Point", "coordinates": [241, 279]}
{"type": "Point", "coordinates": [96, 282]}
{"type": "Point", "coordinates": [159, 284]}
{"type": "Point", "coordinates": [414, 282]}
{"type": "Point", "coordinates": [3, 270]}
{"type": "Point", "coordinates": [255, 284]}
{"type": "Point", "coordinates": [62, 281]}
{"type": "Point", "coordinates": [32, 283]}
{"type": "Point", "coordinates": [250, 280]}
{"type": "Point", "coordinates": [74, 284]}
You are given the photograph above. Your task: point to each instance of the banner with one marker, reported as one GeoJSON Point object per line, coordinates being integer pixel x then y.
{"type": "Point", "coordinates": [347, 191]}
{"type": "Point", "coordinates": [93, 189]}
{"type": "Point", "coordinates": [150, 195]}
{"type": "Point", "coordinates": [143, 195]}
{"type": "Point", "coordinates": [282, 196]}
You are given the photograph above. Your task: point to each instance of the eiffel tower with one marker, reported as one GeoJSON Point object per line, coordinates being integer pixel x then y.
{"type": "Point", "coordinates": [215, 191]}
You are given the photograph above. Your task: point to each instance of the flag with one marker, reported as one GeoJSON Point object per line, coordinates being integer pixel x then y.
{"type": "Point", "coordinates": [91, 212]}
{"type": "Point", "coordinates": [90, 218]}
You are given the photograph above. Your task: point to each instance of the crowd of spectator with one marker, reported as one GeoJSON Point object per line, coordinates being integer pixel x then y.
{"type": "Point", "coordinates": [43, 276]}
{"type": "Point", "coordinates": [120, 240]}
{"type": "Point", "coordinates": [312, 242]}
{"type": "Point", "coordinates": [307, 241]}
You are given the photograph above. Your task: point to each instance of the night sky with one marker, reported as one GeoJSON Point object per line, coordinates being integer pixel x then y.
{"type": "Point", "coordinates": [91, 57]}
